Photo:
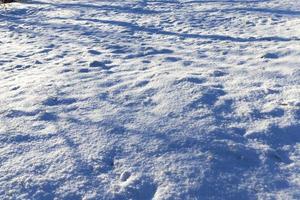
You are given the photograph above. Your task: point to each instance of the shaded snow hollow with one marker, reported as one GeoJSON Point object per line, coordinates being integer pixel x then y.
{"type": "Point", "coordinates": [150, 99]}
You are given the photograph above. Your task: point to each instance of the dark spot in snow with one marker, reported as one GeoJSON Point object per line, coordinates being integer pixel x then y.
{"type": "Point", "coordinates": [276, 112]}
{"type": "Point", "coordinates": [142, 83]}
{"type": "Point", "coordinates": [271, 56]}
{"type": "Point", "coordinates": [187, 63]}
{"type": "Point", "coordinates": [53, 101]}
{"type": "Point", "coordinates": [15, 88]}
{"type": "Point", "coordinates": [297, 113]}
{"type": "Point", "coordinates": [48, 117]}
{"type": "Point", "coordinates": [103, 64]}
{"type": "Point", "coordinates": [94, 52]}
{"type": "Point", "coordinates": [146, 61]}
{"type": "Point", "coordinates": [172, 59]}
{"type": "Point", "coordinates": [124, 176]}
{"type": "Point", "coordinates": [84, 70]}
{"type": "Point", "coordinates": [38, 62]}
{"type": "Point", "coordinates": [218, 73]}
{"type": "Point", "coordinates": [66, 70]}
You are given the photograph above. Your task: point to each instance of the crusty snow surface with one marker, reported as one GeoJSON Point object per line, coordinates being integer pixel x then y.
{"type": "Point", "coordinates": [150, 99]}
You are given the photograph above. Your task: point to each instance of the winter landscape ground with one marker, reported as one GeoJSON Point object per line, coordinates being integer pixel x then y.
{"type": "Point", "coordinates": [150, 99]}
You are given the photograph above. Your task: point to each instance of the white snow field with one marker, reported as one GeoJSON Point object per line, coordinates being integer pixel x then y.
{"type": "Point", "coordinates": [150, 99]}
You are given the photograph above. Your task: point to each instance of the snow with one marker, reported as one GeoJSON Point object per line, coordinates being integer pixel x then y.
{"type": "Point", "coordinates": [150, 99]}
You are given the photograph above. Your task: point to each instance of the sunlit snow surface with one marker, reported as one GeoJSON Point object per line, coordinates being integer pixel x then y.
{"type": "Point", "coordinates": [158, 99]}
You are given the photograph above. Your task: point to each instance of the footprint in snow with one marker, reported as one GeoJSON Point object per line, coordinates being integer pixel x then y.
{"type": "Point", "coordinates": [218, 73]}
{"type": "Point", "coordinates": [187, 63]}
{"type": "Point", "coordinates": [101, 64]}
{"type": "Point", "coordinates": [271, 56]}
{"type": "Point", "coordinates": [146, 61]}
{"type": "Point", "coordinates": [66, 70]}
{"type": "Point", "coordinates": [125, 176]}
{"type": "Point", "coordinates": [15, 88]}
{"type": "Point", "coordinates": [83, 70]}
{"type": "Point", "coordinates": [54, 101]}
{"type": "Point", "coordinates": [208, 98]}
{"type": "Point", "coordinates": [137, 187]}
{"type": "Point", "coordinates": [47, 116]}
{"type": "Point", "coordinates": [118, 49]}
{"type": "Point", "coordinates": [211, 96]}
{"type": "Point", "coordinates": [37, 62]}
{"type": "Point", "coordinates": [142, 83]}
{"type": "Point", "coordinates": [94, 52]}
{"type": "Point", "coordinates": [103, 162]}
{"type": "Point", "coordinates": [172, 59]}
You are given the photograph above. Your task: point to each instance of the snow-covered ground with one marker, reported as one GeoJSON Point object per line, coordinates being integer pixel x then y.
{"type": "Point", "coordinates": [150, 99]}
